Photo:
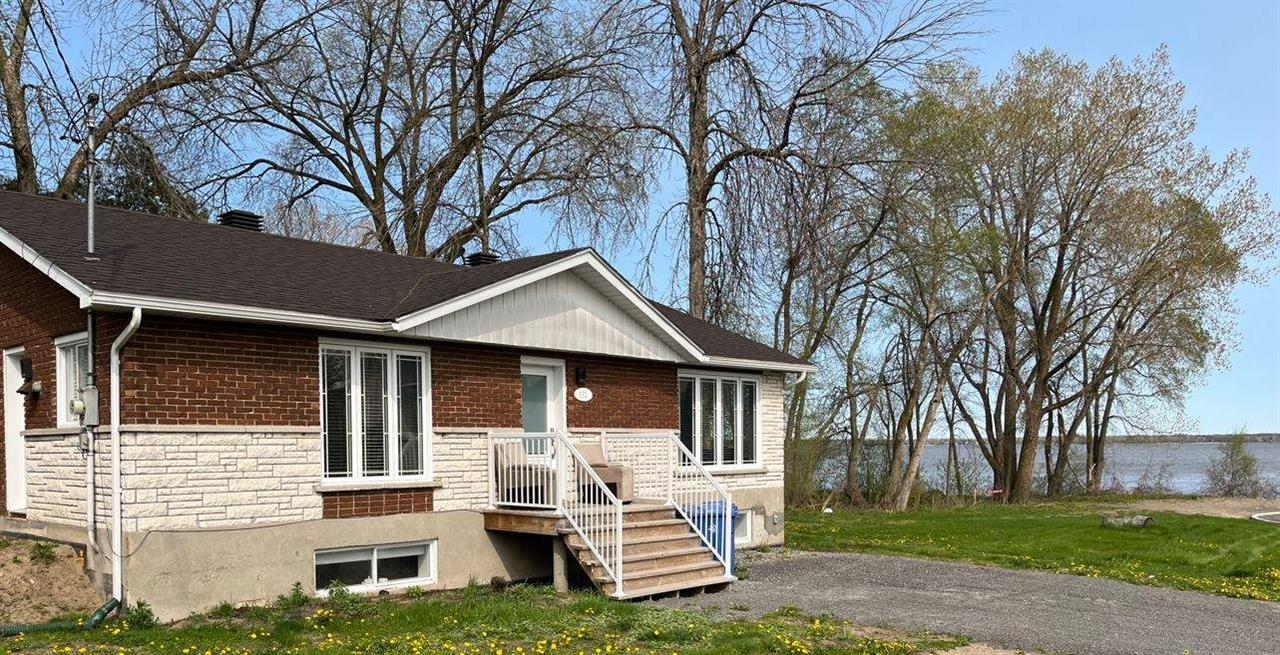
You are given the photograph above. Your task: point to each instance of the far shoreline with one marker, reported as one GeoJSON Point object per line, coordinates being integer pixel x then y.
{"type": "Point", "coordinates": [1258, 437]}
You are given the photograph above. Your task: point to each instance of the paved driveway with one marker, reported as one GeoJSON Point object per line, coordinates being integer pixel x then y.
{"type": "Point", "coordinates": [1012, 609]}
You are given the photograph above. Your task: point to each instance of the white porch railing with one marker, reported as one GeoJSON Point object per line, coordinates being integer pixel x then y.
{"type": "Point", "coordinates": [665, 469]}
{"type": "Point", "coordinates": [522, 471]}
{"type": "Point", "coordinates": [546, 472]}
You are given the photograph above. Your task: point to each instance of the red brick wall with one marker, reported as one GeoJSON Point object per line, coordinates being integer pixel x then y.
{"type": "Point", "coordinates": [34, 310]}
{"type": "Point", "coordinates": [179, 371]}
{"type": "Point", "coordinates": [479, 387]}
{"type": "Point", "coordinates": [628, 394]}
{"type": "Point", "coordinates": [474, 386]}
{"type": "Point", "coordinates": [376, 502]}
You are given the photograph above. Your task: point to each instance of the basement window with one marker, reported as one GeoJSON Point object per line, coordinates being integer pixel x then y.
{"type": "Point", "coordinates": [742, 528]}
{"type": "Point", "coordinates": [72, 361]}
{"type": "Point", "coordinates": [375, 568]}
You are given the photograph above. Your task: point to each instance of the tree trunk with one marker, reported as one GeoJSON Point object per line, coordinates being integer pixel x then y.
{"type": "Point", "coordinates": [907, 484]}
{"type": "Point", "coordinates": [11, 61]}
{"type": "Point", "coordinates": [696, 191]}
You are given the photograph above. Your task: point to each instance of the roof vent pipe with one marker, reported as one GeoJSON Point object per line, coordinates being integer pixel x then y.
{"type": "Point", "coordinates": [245, 220]}
{"type": "Point", "coordinates": [91, 127]}
{"type": "Point", "coordinates": [480, 259]}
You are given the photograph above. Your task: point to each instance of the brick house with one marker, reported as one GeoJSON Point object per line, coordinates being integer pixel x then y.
{"type": "Point", "coordinates": [272, 410]}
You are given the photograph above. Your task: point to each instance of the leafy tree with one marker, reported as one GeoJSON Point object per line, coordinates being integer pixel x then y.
{"type": "Point", "coordinates": [1234, 473]}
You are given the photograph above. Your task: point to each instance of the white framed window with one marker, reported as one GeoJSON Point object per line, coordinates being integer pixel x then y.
{"type": "Point", "coordinates": [720, 417]}
{"type": "Point", "coordinates": [375, 411]}
{"type": "Point", "coordinates": [742, 528]}
{"type": "Point", "coordinates": [374, 568]}
{"type": "Point", "coordinates": [72, 373]}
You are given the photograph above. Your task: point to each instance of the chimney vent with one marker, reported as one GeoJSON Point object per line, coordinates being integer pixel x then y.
{"type": "Point", "coordinates": [480, 259]}
{"type": "Point", "coordinates": [245, 220]}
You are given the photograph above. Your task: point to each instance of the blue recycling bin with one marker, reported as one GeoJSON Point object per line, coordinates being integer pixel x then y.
{"type": "Point", "coordinates": [709, 517]}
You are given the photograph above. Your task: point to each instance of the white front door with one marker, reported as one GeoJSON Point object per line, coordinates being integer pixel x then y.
{"type": "Point", "coordinates": [542, 395]}
{"type": "Point", "coordinates": [15, 421]}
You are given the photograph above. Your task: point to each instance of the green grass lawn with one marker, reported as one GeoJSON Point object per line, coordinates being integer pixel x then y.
{"type": "Point", "coordinates": [517, 621]}
{"type": "Point", "coordinates": [1230, 557]}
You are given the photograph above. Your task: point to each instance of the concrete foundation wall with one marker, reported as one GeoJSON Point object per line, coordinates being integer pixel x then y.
{"type": "Point", "coordinates": [179, 572]}
{"type": "Point", "coordinates": [768, 523]}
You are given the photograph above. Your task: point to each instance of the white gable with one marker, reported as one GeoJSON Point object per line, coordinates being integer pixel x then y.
{"type": "Point", "coordinates": [560, 312]}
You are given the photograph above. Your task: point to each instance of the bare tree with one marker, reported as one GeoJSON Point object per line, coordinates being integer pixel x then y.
{"type": "Point", "coordinates": [733, 76]}
{"type": "Point", "coordinates": [172, 49]}
{"type": "Point", "coordinates": [438, 120]}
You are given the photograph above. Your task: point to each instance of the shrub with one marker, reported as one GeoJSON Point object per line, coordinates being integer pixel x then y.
{"type": "Point", "coordinates": [1234, 473]}
{"type": "Point", "coordinates": [223, 610]}
{"type": "Point", "coordinates": [43, 553]}
{"type": "Point", "coordinates": [415, 592]}
{"type": "Point", "coordinates": [141, 616]}
{"type": "Point", "coordinates": [295, 599]}
{"type": "Point", "coordinates": [344, 604]}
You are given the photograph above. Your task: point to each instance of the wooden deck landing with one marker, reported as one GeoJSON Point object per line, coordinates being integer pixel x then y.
{"type": "Point", "coordinates": [547, 522]}
{"type": "Point", "coordinates": [522, 521]}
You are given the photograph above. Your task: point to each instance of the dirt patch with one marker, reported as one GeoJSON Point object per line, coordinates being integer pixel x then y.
{"type": "Point", "coordinates": [41, 581]}
{"type": "Point", "coordinates": [1234, 508]}
{"type": "Point", "coordinates": [982, 649]}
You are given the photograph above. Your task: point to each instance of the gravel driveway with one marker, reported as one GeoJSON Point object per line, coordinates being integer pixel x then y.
{"type": "Point", "coordinates": [1013, 609]}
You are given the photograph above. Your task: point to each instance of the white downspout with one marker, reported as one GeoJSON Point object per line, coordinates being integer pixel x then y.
{"type": "Point", "coordinates": [117, 523]}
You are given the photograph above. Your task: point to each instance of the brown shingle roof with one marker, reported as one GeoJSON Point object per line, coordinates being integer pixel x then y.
{"type": "Point", "coordinates": [717, 341]}
{"type": "Point", "coordinates": [148, 255]}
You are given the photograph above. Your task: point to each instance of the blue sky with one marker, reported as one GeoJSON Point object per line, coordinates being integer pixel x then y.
{"type": "Point", "coordinates": [1228, 56]}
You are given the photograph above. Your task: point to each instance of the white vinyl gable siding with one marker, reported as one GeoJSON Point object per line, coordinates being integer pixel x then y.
{"type": "Point", "coordinates": [375, 402]}
{"type": "Point", "coordinates": [561, 312]}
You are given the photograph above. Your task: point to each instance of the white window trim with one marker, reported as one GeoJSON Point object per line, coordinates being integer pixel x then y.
{"type": "Point", "coordinates": [432, 559]}
{"type": "Point", "coordinates": [64, 417]}
{"type": "Point", "coordinates": [354, 348]}
{"type": "Point", "coordinates": [720, 377]}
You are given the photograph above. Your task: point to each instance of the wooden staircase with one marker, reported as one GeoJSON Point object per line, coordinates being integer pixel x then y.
{"type": "Point", "coordinates": [661, 554]}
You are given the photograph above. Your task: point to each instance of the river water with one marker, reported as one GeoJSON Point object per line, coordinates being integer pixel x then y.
{"type": "Point", "coordinates": [1178, 466]}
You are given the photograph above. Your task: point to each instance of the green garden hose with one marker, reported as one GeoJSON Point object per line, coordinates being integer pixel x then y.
{"type": "Point", "coordinates": [92, 622]}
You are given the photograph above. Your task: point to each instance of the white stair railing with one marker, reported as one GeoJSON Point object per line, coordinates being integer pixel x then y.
{"type": "Point", "coordinates": [665, 469]}
{"type": "Point", "coordinates": [593, 511]}
{"type": "Point", "coordinates": [546, 472]}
